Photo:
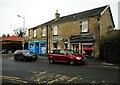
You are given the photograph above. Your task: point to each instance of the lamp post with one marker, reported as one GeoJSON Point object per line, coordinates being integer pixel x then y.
{"type": "Point", "coordinates": [23, 30]}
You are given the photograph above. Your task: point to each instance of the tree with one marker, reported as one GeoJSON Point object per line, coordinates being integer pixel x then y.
{"type": "Point", "coordinates": [3, 36]}
{"type": "Point", "coordinates": [8, 35]}
{"type": "Point", "coordinates": [20, 32]}
{"type": "Point", "coordinates": [110, 46]}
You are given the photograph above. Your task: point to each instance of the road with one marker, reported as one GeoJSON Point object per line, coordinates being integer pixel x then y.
{"type": "Point", "coordinates": [41, 71]}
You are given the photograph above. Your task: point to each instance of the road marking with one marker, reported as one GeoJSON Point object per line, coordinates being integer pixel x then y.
{"type": "Point", "coordinates": [39, 74]}
{"type": "Point", "coordinates": [111, 67]}
{"type": "Point", "coordinates": [62, 78]}
{"type": "Point", "coordinates": [12, 78]}
{"type": "Point", "coordinates": [93, 82]}
{"type": "Point", "coordinates": [109, 64]}
{"type": "Point", "coordinates": [70, 80]}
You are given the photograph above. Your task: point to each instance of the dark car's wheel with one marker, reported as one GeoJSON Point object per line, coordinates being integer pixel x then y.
{"type": "Point", "coordinates": [72, 62]}
{"type": "Point", "coordinates": [36, 57]}
{"type": "Point", "coordinates": [25, 59]}
{"type": "Point", "coordinates": [15, 59]}
{"type": "Point", "coordinates": [51, 60]}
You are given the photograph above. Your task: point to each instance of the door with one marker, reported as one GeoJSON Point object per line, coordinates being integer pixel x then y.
{"type": "Point", "coordinates": [76, 48]}
{"type": "Point", "coordinates": [63, 56]}
{"type": "Point", "coordinates": [56, 54]}
{"type": "Point", "coordinates": [37, 47]}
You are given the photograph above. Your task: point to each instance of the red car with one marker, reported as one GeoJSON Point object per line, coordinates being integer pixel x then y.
{"type": "Point", "coordinates": [67, 56]}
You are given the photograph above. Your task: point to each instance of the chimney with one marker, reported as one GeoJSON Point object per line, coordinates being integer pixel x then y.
{"type": "Point", "coordinates": [57, 15]}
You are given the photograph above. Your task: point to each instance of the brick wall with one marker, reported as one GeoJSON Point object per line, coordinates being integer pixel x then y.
{"type": "Point", "coordinates": [71, 28]}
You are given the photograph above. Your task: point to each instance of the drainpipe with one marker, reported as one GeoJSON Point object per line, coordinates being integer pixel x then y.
{"type": "Point", "coordinates": [47, 38]}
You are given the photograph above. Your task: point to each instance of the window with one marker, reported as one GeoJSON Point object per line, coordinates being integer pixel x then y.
{"type": "Point", "coordinates": [55, 45]}
{"type": "Point", "coordinates": [84, 26]}
{"type": "Point", "coordinates": [35, 34]}
{"type": "Point", "coordinates": [31, 45]}
{"type": "Point", "coordinates": [56, 51]}
{"type": "Point", "coordinates": [44, 32]}
{"type": "Point", "coordinates": [63, 52]}
{"type": "Point", "coordinates": [55, 30]}
{"type": "Point", "coordinates": [65, 45]}
{"type": "Point", "coordinates": [29, 33]}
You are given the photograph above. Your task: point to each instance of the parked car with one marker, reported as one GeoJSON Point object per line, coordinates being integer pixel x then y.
{"type": "Point", "coordinates": [24, 55]}
{"type": "Point", "coordinates": [67, 56]}
{"type": "Point", "coordinates": [4, 51]}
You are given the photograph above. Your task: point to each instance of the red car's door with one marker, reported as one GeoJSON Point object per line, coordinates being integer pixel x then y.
{"type": "Point", "coordinates": [63, 56]}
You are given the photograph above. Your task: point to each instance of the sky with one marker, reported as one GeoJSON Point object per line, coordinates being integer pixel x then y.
{"type": "Point", "coordinates": [37, 12]}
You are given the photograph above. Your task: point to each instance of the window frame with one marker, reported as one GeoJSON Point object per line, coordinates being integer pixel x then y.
{"type": "Point", "coordinates": [35, 33]}
{"type": "Point", "coordinates": [44, 32]}
{"type": "Point", "coordinates": [55, 30]}
{"type": "Point", "coordinates": [85, 27]}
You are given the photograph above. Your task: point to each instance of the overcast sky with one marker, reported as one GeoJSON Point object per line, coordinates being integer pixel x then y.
{"type": "Point", "coordinates": [37, 12]}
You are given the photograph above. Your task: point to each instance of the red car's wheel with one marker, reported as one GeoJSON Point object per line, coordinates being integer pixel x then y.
{"type": "Point", "coordinates": [72, 62]}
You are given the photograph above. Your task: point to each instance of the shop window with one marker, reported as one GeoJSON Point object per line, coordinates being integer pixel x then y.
{"type": "Point", "coordinates": [55, 30]}
{"type": "Point", "coordinates": [85, 26]}
{"type": "Point", "coordinates": [43, 48]}
{"type": "Point", "coordinates": [63, 52]}
{"type": "Point", "coordinates": [66, 45]}
{"type": "Point", "coordinates": [31, 45]}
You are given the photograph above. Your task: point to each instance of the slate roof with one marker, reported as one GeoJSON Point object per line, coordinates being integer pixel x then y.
{"type": "Point", "coordinates": [75, 16]}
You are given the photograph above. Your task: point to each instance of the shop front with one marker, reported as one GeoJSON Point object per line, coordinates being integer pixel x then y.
{"type": "Point", "coordinates": [37, 46]}
{"type": "Point", "coordinates": [83, 44]}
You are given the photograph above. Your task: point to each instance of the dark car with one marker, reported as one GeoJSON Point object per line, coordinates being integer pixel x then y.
{"type": "Point", "coordinates": [67, 56]}
{"type": "Point", "coordinates": [25, 55]}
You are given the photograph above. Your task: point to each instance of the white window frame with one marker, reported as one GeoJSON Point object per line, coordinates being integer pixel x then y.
{"type": "Point", "coordinates": [85, 26]}
{"type": "Point", "coordinates": [55, 30]}
{"type": "Point", "coordinates": [35, 35]}
{"type": "Point", "coordinates": [44, 32]}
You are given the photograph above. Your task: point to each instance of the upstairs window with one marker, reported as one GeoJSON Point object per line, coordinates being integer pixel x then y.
{"type": "Point", "coordinates": [35, 35]}
{"type": "Point", "coordinates": [44, 32]}
{"type": "Point", "coordinates": [55, 30]}
{"type": "Point", "coordinates": [85, 26]}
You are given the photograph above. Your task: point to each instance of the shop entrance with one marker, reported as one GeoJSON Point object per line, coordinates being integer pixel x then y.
{"type": "Point", "coordinates": [37, 47]}
{"type": "Point", "coordinates": [88, 50]}
{"type": "Point", "coordinates": [75, 48]}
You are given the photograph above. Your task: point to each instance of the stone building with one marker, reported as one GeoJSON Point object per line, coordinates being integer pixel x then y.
{"type": "Point", "coordinates": [80, 32]}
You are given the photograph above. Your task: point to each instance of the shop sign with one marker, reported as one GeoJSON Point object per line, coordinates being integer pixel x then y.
{"type": "Point", "coordinates": [56, 39]}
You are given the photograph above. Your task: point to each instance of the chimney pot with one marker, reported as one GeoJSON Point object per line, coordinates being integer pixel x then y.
{"type": "Point", "coordinates": [57, 15]}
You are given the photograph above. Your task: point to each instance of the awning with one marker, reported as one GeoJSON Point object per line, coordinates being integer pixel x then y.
{"type": "Point", "coordinates": [87, 48]}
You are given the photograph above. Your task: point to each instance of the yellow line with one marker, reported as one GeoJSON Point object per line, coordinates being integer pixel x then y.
{"type": "Point", "coordinates": [58, 79]}
{"type": "Point", "coordinates": [37, 75]}
{"type": "Point", "coordinates": [72, 79]}
{"type": "Point", "coordinates": [12, 78]}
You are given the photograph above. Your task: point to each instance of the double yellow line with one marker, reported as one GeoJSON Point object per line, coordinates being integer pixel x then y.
{"type": "Point", "coordinates": [15, 79]}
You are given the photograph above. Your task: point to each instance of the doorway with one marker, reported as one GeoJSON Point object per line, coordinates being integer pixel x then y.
{"type": "Point", "coordinates": [37, 47]}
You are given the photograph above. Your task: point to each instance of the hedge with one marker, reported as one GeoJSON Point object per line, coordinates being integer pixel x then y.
{"type": "Point", "coordinates": [110, 47]}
